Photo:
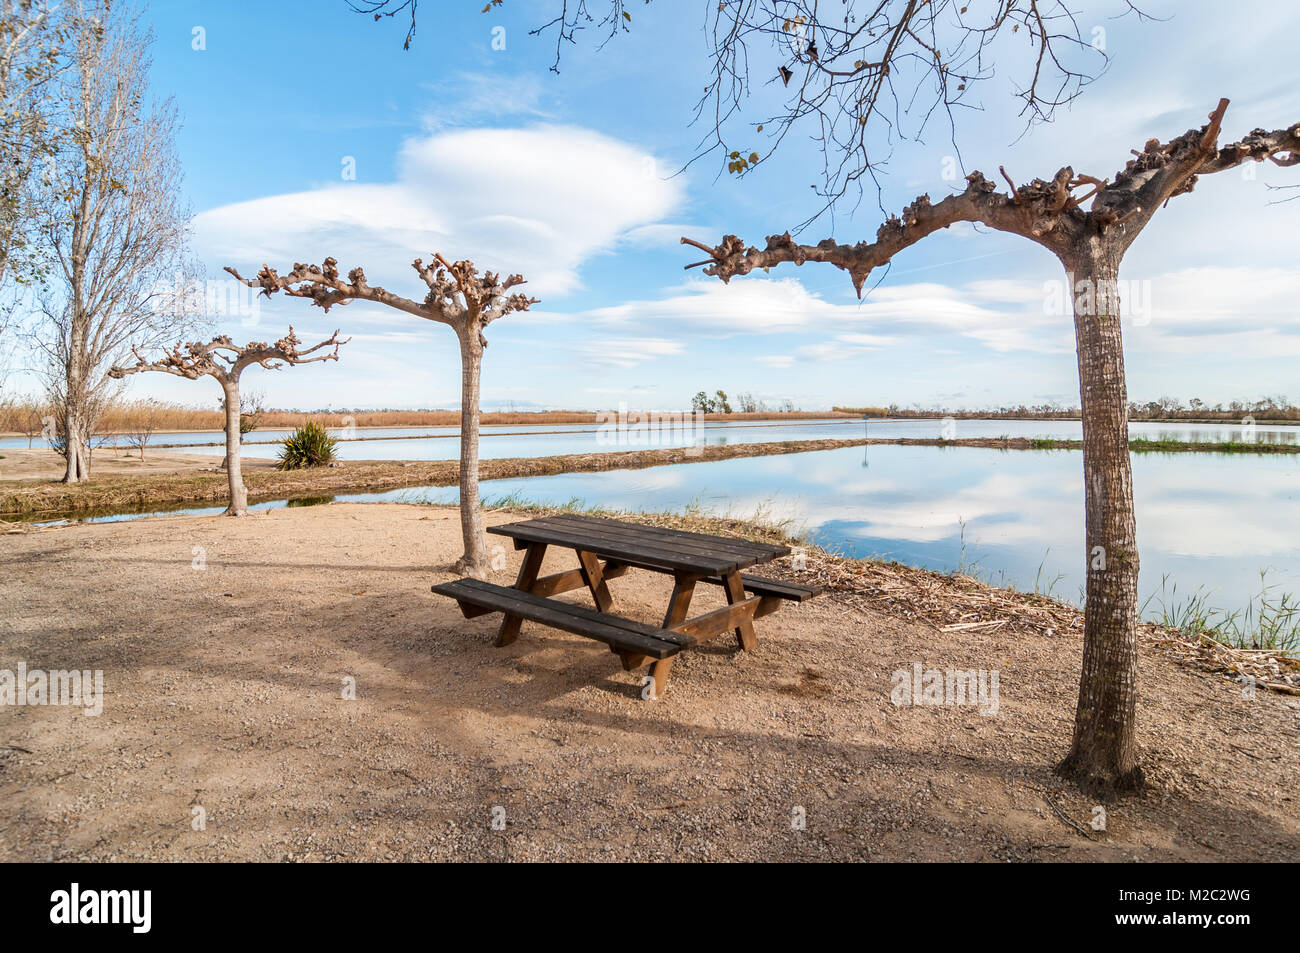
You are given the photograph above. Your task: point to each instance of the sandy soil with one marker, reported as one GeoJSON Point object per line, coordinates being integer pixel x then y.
{"type": "Point", "coordinates": [223, 688]}
{"type": "Point", "coordinates": [42, 463]}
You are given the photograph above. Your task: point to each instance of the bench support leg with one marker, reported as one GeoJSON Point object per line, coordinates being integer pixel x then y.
{"type": "Point", "coordinates": [683, 589]}
{"type": "Point", "coordinates": [736, 594]}
{"type": "Point", "coordinates": [659, 672]}
{"type": "Point", "coordinates": [532, 564]}
{"type": "Point", "coordinates": [678, 605]}
{"type": "Point", "coordinates": [630, 660]}
{"type": "Point", "coordinates": [594, 577]}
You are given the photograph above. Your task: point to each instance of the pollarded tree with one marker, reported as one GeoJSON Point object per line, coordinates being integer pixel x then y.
{"type": "Point", "coordinates": [458, 297]}
{"type": "Point", "coordinates": [225, 361]}
{"type": "Point", "coordinates": [1090, 245]}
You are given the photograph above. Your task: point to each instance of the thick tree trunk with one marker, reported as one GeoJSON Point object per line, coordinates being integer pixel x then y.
{"type": "Point", "coordinates": [474, 562]}
{"type": "Point", "coordinates": [238, 494]}
{"type": "Point", "coordinates": [1104, 750]}
{"type": "Point", "coordinates": [76, 422]}
{"type": "Point", "coordinates": [77, 449]}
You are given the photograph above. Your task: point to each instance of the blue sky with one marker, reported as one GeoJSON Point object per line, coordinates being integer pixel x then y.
{"type": "Point", "coordinates": [486, 154]}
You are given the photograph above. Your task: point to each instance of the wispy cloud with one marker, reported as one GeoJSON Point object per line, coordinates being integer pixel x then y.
{"type": "Point", "coordinates": [1003, 316]}
{"type": "Point", "coordinates": [477, 99]}
{"type": "Point", "coordinates": [628, 352]}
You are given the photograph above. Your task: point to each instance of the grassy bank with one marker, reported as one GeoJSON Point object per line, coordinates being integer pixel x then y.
{"type": "Point", "coordinates": [1145, 445]}
{"type": "Point", "coordinates": [1136, 445]}
{"type": "Point", "coordinates": [41, 499]}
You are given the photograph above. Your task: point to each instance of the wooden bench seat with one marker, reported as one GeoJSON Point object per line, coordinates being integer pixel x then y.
{"type": "Point", "coordinates": [776, 588]}
{"type": "Point", "coordinates": [622, 635]}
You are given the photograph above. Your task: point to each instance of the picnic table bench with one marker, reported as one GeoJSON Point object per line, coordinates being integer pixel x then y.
{"type": "Point", "coordinates": [607, 549]}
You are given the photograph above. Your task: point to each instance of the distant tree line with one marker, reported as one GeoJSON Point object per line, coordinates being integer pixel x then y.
{"type": "Point", "coordinates": [1165, 408]}
{"type": "Point", "coordinates": [747, 403]}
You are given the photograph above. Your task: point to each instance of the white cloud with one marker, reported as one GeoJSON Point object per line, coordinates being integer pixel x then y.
{"type": "Point", "coordinates": [783, 305]}
{"type": "Point", "coordinates": [667, 235]}
{"type": "Point", "coordinates": [1242, 311]}
{"type": "Point", "coordinates": [1193, 300]}
{"type": "Point", "coordinates": [539, 201]}
{"type": "Point", "coordinates": [628, 352]}
{"type": "Point", "coordinates": [469, 98]}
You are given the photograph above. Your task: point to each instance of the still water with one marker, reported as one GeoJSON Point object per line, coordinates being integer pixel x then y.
{"type": "Point", "coordinates": [1205, 521]}
{"type": "Point", "coordinates": [543, 440]}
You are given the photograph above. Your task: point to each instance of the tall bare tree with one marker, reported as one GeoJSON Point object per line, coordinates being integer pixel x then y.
{"type": "Point", "coordinates": [1090, 244]}
{"type": "Point", "coordinates": [117, 232]}
{"type": "Point", "coordinates": [224, 361]}
{"type": "Point", "coordinates": [458, 297]}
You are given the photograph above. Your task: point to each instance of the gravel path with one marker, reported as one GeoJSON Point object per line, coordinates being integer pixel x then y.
{"type": "Point", "coordinates": [226, 646]}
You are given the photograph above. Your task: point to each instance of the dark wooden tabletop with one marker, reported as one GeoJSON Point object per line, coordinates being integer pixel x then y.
{"type": "Point", "coordinates": [648, 547]}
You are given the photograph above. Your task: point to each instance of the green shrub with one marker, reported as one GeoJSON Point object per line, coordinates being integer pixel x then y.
{"type": "Point", "coordinates": [309, 446]}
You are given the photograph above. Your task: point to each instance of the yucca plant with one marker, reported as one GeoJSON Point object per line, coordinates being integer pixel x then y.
{"type": "Point", "coordinates": [309, 446]}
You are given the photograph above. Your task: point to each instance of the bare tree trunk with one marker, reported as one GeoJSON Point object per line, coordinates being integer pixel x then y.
{"type": "Point", "coordinates": [77, 448]}
{"type": "Point", "coordinates": [1104, 750]}
{"type": "Point", "coordinates": [238, 494]}
{"type": "Point", "coordinates": [75, 413]}
{"type": "Point", "coordinates": [474, 562]}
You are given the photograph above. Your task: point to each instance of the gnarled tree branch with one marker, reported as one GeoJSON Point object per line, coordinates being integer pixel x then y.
{"type": "Point", "coordinates": [458, 295]}
{"type": "Point", "coordinates": [224, 360]}
{"type": "Point", "coordinates": [1046, 212]}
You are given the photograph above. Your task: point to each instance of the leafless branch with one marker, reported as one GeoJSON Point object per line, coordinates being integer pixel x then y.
{"type": "Point", "coordinates": [224, 360]}
{"type": "Point", "coordinates": [458, 294]}
{"type": "Point", "coordinates": [1046, 212]}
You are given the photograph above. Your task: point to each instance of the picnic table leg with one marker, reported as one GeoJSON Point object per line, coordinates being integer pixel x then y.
{"type": "Point", "coordinates": [532, 564]}
{"type": "Point", "coordinates": [595, 580]}
{"type": "Point", "coordinates": [736, 593]}
{"type": "Point", "coordinates": [659, 672]}
{"type": "Point", "coordinates": [683, 589]}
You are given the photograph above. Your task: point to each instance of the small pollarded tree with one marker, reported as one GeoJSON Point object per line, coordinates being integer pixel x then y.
{"type": "Point", "coordinates": [458, 297]}
{"type": "Point", "coordinates": [225, 361]}
{"type": "Point", "coordinates": [1090, 244]}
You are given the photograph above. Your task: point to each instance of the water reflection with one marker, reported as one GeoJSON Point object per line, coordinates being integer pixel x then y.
{"type": "Point", "coordinates": [1013, 518]}
{"type": "Point", "coordinates": [1211, 521]}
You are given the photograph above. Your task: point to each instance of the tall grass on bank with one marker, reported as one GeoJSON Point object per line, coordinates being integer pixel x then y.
{"type": "Point", "coordinates": [1270, 620]}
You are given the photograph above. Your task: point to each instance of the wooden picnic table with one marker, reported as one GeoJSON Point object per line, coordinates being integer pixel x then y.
{"type": "Point", "coordinates": [607, 549]}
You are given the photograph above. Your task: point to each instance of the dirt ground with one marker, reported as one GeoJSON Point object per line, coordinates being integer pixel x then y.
{"type": "Point", "coordinates": [226, 645]}
{"type": "Point", "coordinates": [42, 463]}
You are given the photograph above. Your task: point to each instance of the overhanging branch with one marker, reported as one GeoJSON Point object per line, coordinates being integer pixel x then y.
{"type": "Point", "coordinates": [1044, 211]}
